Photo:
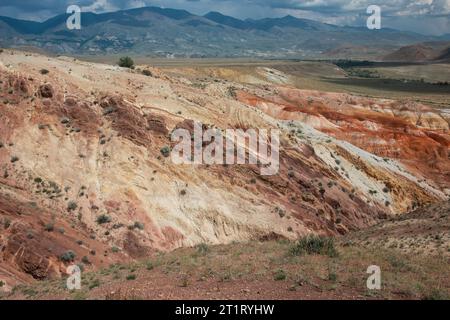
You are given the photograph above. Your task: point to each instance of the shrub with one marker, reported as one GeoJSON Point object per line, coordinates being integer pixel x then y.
{"type": "Point", "coordinates": [94, 284]}
{"type": "Point", "coordinates": [103, 218]}
{"type": "Point", "coordinates": [68, 256]}
{"type": "Point", "coordinates": [280, 275]}
{"type": "Point", "coordinates": [49, 227]}
{"type": "Point", "coordinates": [72, 206]}
{"type": "Point", "coordinates": [126, 62]}
{"type": "Point", "coordinates": [44, 71]}
{"type": "Point", "coordinates": [332, 276]}
{"type": "Point", "coordinates": [281, 212]}
{"type": "Point", "coordinates": [115, 249]}
{"type": "Point", "coordinates": [147, 73]}
{"type": "Point", "coordinates": [314, 245]}
{"type": "Point", "coordinates": [138, 225]}
{"type": "Point", "coordinates": [131, 277]}
{"type": "Point", "coordinates": [85, 260]}
{"type": "Point", "coordinates": [108, 110]}
{"type": "Point", "coordinates": [202, 248]}
{"type": "Point", "coordinates": [14, 159]}
{"type": "Point", "coordinates": [165, 151]}
{"type": "Point", "coordinates": [6, 223]}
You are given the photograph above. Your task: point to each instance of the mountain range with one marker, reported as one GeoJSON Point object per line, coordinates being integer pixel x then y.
{"type": "Point", "coordinates": [161, 32]}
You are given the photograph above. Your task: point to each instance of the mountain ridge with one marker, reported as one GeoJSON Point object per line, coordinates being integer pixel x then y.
{"type": "Point", "coordinates": [171, 32]}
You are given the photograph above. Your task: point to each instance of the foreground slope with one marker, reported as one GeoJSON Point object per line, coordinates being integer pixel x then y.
{"type": "Point", "coordinates": [82, 169]}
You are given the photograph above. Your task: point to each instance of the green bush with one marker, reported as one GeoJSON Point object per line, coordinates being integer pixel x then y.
{"type": "Point", "coordinates": [314, 245]}
{"type": "Point", "coordinates": [131, 277]}
{"type": "Point", "coordinates": [280, 275]}
{"type": "Point", "coordinates": [68, 256]}
{"type": "Point", "coordinates": [126, 62]}
{"type": "Point", "coordinates": [103, 218]}
{"type": "Point", "coordinates": [72, 206]}
{"type": "Point", "coordinates": [165, 151]}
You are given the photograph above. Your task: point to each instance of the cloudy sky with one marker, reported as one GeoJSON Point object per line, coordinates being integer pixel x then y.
{"type": "Point", "coordinates": [424, 16]}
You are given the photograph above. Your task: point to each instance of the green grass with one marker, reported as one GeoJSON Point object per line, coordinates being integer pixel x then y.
{"type": "Point", "coordinates": [314, 245]}
{"type": "Point", "coordinates": [315, 267]}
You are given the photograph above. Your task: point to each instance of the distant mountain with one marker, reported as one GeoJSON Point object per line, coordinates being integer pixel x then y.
{"type": "Point", "coordinates": [444, 55]}
{"type": "Point", "coordinates": [169, 32]}
{"type": "Point", "coordinates": [228, 21]}
{"type": "Point", "coordinates": [422, 52]}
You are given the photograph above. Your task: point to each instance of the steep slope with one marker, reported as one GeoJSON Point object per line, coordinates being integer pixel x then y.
{"type": "Point", "coordinates": [80, 148]}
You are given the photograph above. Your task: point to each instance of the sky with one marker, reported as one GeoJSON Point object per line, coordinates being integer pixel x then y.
{"type": "Point", "coordinates": [422, 16]}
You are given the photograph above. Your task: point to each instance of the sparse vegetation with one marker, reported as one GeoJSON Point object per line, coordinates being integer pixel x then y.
{"type": "Point", "coordinates": [280, 275]}
{"type": "Point", "coordinates": [137, 225]}
{"type": "Point", "coordinates": [49, 227]}
{"type": "Point", "coordinates": [103, 218]}
{"type": "Point", "coordinates": [131, 277]}
{"type": "Point", "coordinates": [147, 73]}
{"type": "Point", "coordinates": [203, 248]}
{"type": "Point", "coordinates": [314, 245]}
{"type": "Point", "coordinates": [126, 62]}
{"type": "Point", "coordinates": [71, 206]}
{"type": "Point", "coordinates": [68, 256]}
{"type": "Point", "coordinates": [94, 284]}
{"type": "Point", "coordinates": [6, 223]}
{"type": "Point", "coordinates": [165, 151]}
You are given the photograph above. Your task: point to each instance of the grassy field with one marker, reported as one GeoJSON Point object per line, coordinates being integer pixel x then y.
{"type": "Point", "coordinates": [260, 270]}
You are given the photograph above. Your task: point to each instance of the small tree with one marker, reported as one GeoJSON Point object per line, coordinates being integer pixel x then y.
{"type": "Point", "coordinates": [126, 62]}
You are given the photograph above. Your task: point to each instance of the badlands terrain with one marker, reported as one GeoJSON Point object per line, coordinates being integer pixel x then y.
{"type": "Point", "coordinates": [84, 180]}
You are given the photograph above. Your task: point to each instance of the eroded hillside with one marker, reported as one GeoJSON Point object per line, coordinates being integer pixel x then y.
{"type": "Point", "coordinates": [82, 168]}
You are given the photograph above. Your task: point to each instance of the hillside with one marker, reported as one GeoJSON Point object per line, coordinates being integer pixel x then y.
{"type": "Point", "coordinates": [84, 179]}
{"type": "Point", "coordinates": [422, 52]}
